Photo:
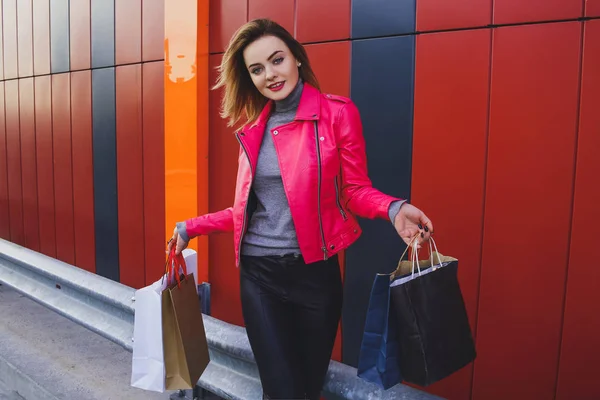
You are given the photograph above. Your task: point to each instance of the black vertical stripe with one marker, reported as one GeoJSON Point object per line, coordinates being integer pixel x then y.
{"type": "Point", "coordinates": [105, 173]}
{"type": "Point", "coordinates": [372, 18]}
{"type": "Point", "coordinates": [103, 33]}
{"type": "Point", "coordinates": [59, 36]}
{"type": "Point", "coordinates": [383, 93]}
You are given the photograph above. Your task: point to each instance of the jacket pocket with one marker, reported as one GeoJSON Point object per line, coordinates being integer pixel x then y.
{"type": "Point", "coordinates": [337, 199]}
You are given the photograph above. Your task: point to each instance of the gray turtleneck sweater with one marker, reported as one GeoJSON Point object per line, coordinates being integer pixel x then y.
{"type": "Point", "coordinates": [271, 229]}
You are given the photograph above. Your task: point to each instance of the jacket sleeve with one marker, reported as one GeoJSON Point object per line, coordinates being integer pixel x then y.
{"type": "Point", "coordinates": [357, 190]}
{"type": "Point", "coordinates": [217, 222]}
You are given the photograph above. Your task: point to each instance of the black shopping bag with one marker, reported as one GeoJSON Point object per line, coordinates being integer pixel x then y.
{"type": "Point", "coordinates": [434, 334]}
{"type": "Point", "coordinates": [378, 357]}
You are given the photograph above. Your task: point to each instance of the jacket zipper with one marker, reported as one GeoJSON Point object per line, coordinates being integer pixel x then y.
{"type": "Point", "coordinates": [337, 199]}
{"type": "Point", "coordinates": [324, 248]}
{"type": "Point", "coordinates": [245, 207]}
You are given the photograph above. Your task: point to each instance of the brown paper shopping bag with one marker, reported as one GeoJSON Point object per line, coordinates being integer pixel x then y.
{"type": "Point", "coordinates": [184, 339]}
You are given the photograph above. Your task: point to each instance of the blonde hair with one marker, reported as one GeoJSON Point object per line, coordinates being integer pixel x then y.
{"type": "Point", "coordinates": [241, 98]}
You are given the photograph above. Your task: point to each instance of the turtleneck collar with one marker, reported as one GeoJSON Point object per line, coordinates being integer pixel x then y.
{"type": "Point", "coordinates": [291, 101]}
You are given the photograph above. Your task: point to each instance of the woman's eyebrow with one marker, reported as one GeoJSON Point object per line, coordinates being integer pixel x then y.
{"type": "Point", "coordinates": [269, 58]}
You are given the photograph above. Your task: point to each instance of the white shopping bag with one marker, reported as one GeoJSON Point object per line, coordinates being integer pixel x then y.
{"type": "Point", "coordinates": [148, 365]}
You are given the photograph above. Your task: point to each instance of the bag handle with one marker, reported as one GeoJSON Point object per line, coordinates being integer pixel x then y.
{"type": "Point", "coordinates": [414, 256]}
{"type": "Point", "coordinates": [174, 263]}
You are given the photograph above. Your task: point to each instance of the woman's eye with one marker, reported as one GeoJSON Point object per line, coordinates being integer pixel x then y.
{"type": "Point", "coordinates": [257, 71]}
{"type": "Point", "coordinates": [278, 60]}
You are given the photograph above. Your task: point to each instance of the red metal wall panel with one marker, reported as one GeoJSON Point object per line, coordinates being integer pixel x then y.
{"type": "Point", "coordinates": [450, 121]}
{"type": "Point", "coordinates": [4, 214]}
{"type": "Point", "coordinates": [331, 63]}
{"type": "Point", "coordinates": [577, 378]}
{"type": "Point", "coordinates": [83, 170]}
{"type": "Point", "coordinates": [515, 11]}
{"type": "Point", "coordinates": [128, 83]}
{"type": "Point", "coordinates": [28, 164]}
{"type": "Point", "coordinates": [592, 8]}
{"type": "Point", "coordinates": [319, 21]}
{"type": "Point", "coordinates": [45, 164]}
{"type": "Point", "coordinates": [435, 15]}
{"type": "Point", "coordinates": [9, 26]}
{"type": "Point", "coordinates": [153, 30]}
{"type": "Point", "coordinates": [281, 11]}
{"type": "Point", "coordinates": [80, 40]}
{"type": "Point", "coordinates": [226, 16]}
{"type": "Point", "coordinates": [63, 171]}
{"type": "Point", "coordinates": [25, 42]}
{"type": "Point", "coordinates": [527, 209]}
{"type": "Point", "coordinates": [41, 36]}
{"type": "Point", "coordinates": [128, 31]}
{"type": "Point", "coordinates": [223, 162]}
{"type": "Point", "coordinates": [154, 168]}
{"type": "Point", "coordinates": [13, 161]}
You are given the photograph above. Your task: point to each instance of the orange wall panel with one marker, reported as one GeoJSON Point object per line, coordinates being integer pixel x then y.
{"type": "Point", "coordinates": [25, 38]}
{"type": "Point", "coordinates": [63, 170]}
{"type": "Point", "coordinates": [450, 121]}
{"type": "Point", "coordinates": [13, 161]}
{"type": "Point", "coordinates": [28, 164]}
{"type": "Point", "coordinates": [443, 14]}
{"type": "Point", "coordinates": [83, 170]}
{"type": "Point", "coordinates": [516, 11]}
{"type": "Point", "coordinates": [41, 36]}
{"type": "Point", "coordinates": [527, 209]}
{"type": "Point", "coordinates": [154, 168]}
{"type": "Point", "coordinates": [128, 83]}
{"type": "Point", "coordinates": [578, 378]}
{"type": "Point", "coordinates": [9, 27]}
{"type": "Point", "coordinates": [153, 30]}
{"type": "Point", "coordinates": [226, 16]}
{"type": "Point", "coordinates": [128, 31]}
{"type": "Point", "coordinates": [319, 21]}
{"type": "Point", "coordinates": [80, 39]}
{"type": "Point", "coordinates": [281, 11]}
{"type": "Point", "coordinates": [45, 164]}
{"type": "Point", "coordinates": [4, 209]}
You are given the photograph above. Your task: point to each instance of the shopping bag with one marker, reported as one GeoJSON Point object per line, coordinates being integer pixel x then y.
{"type": "Point", "coordinates": [148, 366]}
{"type": "Point", "coordinates": [184, 338]}
{"type": "Point", "coordinates": [434, 334]}
{"type": "Point", "coordinates": [378, 357]}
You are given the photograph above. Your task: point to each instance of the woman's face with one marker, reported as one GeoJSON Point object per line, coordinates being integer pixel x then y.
{"type": "Point", "coordinates": [272, 67]}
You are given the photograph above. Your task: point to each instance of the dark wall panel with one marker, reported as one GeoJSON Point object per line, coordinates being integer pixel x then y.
{"type": "Point", "coordinates": [63, 168]}
{"type": "Point", "coordinates": [105, 173]}
{"type": "Point", "coordinates": [28, 164]}
{"type": "Point", "coordinates": [45, 164]}
{"type": "Point", "coordinates": [383, 93]}
{"type": "Point", "coordinates": [451, 114]}
{"type": "Point", "coordinates": [153, 30]}
{"type": "Point", "coordinates": [154, 168]}
{"type": "Point", "coordinates": [128, 31]}
{"type": "Point", "coordinates": [515, 11]}
{"type": "Point", "coordinates": [80, 35]}
{"type": "Point", "coordinates": [103, 33]}
{"type": "Point", "coordinates": [41, 37]}
{"type": "Point", "coordinates": [226, 16]}
{"type": "Point", "coordinates": [83, 170]}
{"type": "Point", "coordinates": [130, 173]}
{"type": "Point", "coordinates": [25, 39]}
{"type": "Point", "coordinates": [59, 36]}
{"type": "Point", "coordinates": [581, 325]}
{"type": "Point", "coordinates": [382, 17]}
{"type": "Point", "coordinates": [592, 8]}
{"type": "Point", "coordinates": [9, 27]}
{"type": "Point", "coordinates": [435, 15]}
{"type": "Point", "coordinates": [4, 213]}
{"type": "Point", "coordinates": [13, 160]}
{"type": "Point", "coordinates": [282, 11]}
{"type": "Point", "coordinates": [319, 21]}
{"type": "Point", "coordinates": [528, 209]}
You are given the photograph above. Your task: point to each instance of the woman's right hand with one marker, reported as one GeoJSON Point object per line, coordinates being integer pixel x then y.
{"type": "Point", "coordinates": [176, 240]}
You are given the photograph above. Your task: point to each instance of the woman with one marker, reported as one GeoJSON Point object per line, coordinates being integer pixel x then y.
{"type": "Point", "coordinates": [301, 182]}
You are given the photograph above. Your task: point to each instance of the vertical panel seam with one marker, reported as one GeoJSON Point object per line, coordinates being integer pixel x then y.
{"type": "Point", "coordinates": [52, 159]}
{"type": "Point", "coordinates": [6, 158]}
{"type": "Point", "coordinates": [72, 164]}
{"type": "Point", "coordinates": [37, 195]}
{"type": "Point", "coordinates": [572, 205]}
{"type": "Point", "coordinates": [485, 168]}
{"type": "Point", "coordinates": [141, 120]}
{"type": "Point", "coordinates": [295, 18]}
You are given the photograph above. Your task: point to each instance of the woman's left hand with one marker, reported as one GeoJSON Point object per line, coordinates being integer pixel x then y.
{"type": "Point", "coordinates": [410, 221]}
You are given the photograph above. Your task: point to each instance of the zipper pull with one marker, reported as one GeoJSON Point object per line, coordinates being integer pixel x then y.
{"type": "Point", "coordinates": [324, 253]}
